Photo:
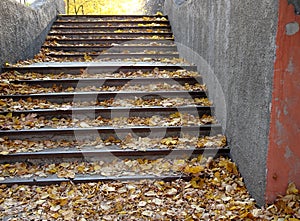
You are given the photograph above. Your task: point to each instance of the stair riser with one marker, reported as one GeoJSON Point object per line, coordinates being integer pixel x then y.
{"type": "Point", "coordinates": [114, 41]}
{"type": "Point", "coordinates": [112, 49]}
{"type": "Point", "coordinates": [85, 23]}
{"type": "Point", "coordinates": [110, 35]}
{"type": "Point", "coordinates": [109, 28]}
{"type": "Point", "coordinates": [110, 17]}
{"type": "Point", "coordinates": [114, 56]}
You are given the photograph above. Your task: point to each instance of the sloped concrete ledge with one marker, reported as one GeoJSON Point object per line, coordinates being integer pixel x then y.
{"type": "Point", "coordinates": [24, 28]}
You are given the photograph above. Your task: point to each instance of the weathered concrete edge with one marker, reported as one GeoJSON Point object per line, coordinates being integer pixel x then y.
{"type": "Point", "coordinates": [233, 45]}
{"type": "Point", "coordinates": [24, 29]}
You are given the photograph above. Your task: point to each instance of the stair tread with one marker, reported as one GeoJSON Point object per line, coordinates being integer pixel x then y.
{"type": "Point", "coordinates": [110, 128]}
{"type": "Point", "coordinates": [113, 149]}
{"type": "Point", "coordinates": [115, 64]}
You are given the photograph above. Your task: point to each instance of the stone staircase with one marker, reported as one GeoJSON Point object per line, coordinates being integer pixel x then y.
{"type": "Point", "coordinates": [107, 99]}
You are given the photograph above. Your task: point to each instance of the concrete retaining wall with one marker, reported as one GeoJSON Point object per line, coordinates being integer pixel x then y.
{"type": "Point", "coordinates": [233, 44]}
{"type": "Point", "coordinates": [24, 29]}
{"type": "Point", "coordinates": [154, 6]}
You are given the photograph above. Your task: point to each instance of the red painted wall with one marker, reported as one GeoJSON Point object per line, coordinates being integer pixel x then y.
{"type": "Point", "coordinates": [283, 160]}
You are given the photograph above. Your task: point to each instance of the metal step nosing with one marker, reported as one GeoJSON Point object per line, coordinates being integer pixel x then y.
{"type": "Point", "coordinates": [115, 40]}
{"type": "Point", "coordinates": [120, 47]}
{"type": "Point", "coordinates": [100, 68]}
{"type": "Point", "coordinates": [87, 110]}
{"type": "Point", "coordinates": [118, 22]}
{"type": "Point", "coordinates": [107, 95]}
{"type": "Point", "coordinates": [110, 129]}
{"type": "Point", "coordinates": [114, 55]}
{"type": "Point", "coordinates": [109, 33]}
{"type": "Point", "coordinates": [85, 179]}
{"type": "Point", "coordinates": [55, 27]}
{"type": "Point", "coordinates": [108, 81]}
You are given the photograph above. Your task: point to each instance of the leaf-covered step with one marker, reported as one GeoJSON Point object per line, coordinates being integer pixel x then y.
{"type": "Point", "coordinates": [116, 29]}
{"type": "Point", "coordinates": [92, 154]}
{"type": "Point", "coordinates": [122, 23]}
{"type": "Point", "coordinates": [86, 73]}
{"type": "Point", "coordinates": [78, 83]}
{"type": "Point", "coordinates": [118, 119]}
{"type": "Point", "coordinates": [107, 41]}
{"type": "Point", "coordinates": [111, 167]}
{"type": "Point", "coordinates": [97, 68]}
{"type": "Point", "coordinates": [105, 132]}
{"type": "Point", "coordinates": [130, 145]}
{"type": "Point", "coordinates": [99, 18]}
{"type": "Point", "coordinates": [31, 87]}
{"type": "Point", "coordinates": [26, 104]}
{"type": "Point", "coordinates": [106, 25]}
{"type": "Point", "coordinates": [112, 48]}
{"type": "Point", "coordinates": [204, 198]}
{"type": "Point", "coordinates": [112, 56]}
{"type": "Point", "coordinates": [108, 35]}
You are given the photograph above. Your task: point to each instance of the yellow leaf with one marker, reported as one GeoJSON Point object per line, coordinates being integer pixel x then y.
{"type": "Point", "coordinates": [63, 201]}
{"type": "Point", "coordinates": [87, 57]}
{"type": "Point", "coordinates": [193, 169]}
{"type": "Point", "coordinates": [169, 141]}
{"type": "Point", "coordinates": [230, 166]}
{"type": "Point", "coordinates": [244, 215]}
{"type": "Point", "coordinates": [80, 168]}
{"type": "Point", "coordinates": [44, 196]}
{"type": "Point", "coordinates": [55, 215]}
{"type": "Point", "coordinates": [292, 189]}
{"type": "Point", "coordinates": [66, 174]}
{"type": "Point", "coordinates": [233, 208]}
{"type": "Point", "coordinates": [217, 175]}
{"type": "Point", "coordinates": [197, 183]}
{"type": "Point", "coordinates": [9, 115]}
{"type": "Point", "coordinates": [70, 174]}
{"type": "Point", "coordinates": [175, 115]}
{"type": "Point", "coordinates": [70, 89]}
{"type": "Point", "coordinates": [97, 167]}
{"type": "Point", "coordinates": [4, 153]}
{"type": "Point", "coordinates": [159, 14]}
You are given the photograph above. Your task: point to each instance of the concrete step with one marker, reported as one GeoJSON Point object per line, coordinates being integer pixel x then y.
{"type": "Point", "coordinates": [55, 112]}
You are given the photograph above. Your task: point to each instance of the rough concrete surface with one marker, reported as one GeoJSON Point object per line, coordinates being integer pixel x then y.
{"type": "Point", "coordinates": [154, 6]}
{"type": "Point", "coordinates": [233, 45]}
{"type": "Point", "coordinates": [24, 28]}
